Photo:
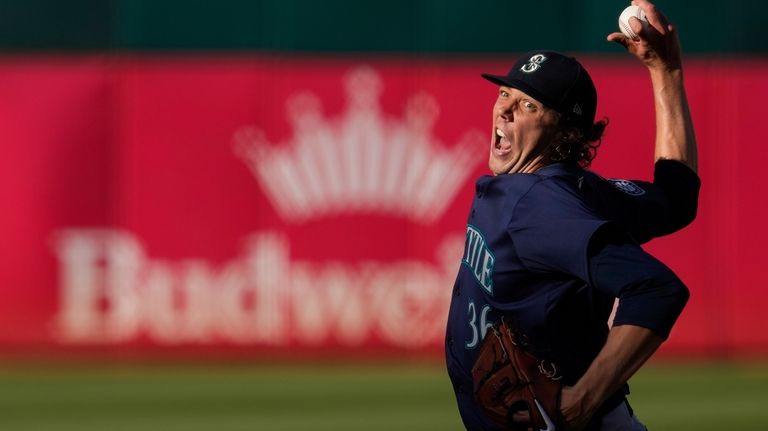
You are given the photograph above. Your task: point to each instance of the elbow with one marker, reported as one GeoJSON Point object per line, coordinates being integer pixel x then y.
{"type": "Point", "coordinates": [666, 300]}
{"type": "Point", "coordinates": [676, 298]}
{"type": "Point", "coordinates": [681, 294]}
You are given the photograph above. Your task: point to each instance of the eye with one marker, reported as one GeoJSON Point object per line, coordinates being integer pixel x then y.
{"type": "Point", "coordinates": [530, 106]}
{"type": "Point", "coordinates": [503, 93]}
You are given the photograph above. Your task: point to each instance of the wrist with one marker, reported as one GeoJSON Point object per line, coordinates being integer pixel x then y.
{"type": "Point", "coordinates": [577, 406]}
{"type": "Point", "coordinates": [589, 399]}
{"type": "Point", "coordinates": [666, 74]}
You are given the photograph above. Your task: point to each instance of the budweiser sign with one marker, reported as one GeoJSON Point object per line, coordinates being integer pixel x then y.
{"type": "Point", "coordinates": [111, 292]}
{"type": "Point", "coordinates": [356, 164]}
{"type": "Point", "coordinates": [243, 200]}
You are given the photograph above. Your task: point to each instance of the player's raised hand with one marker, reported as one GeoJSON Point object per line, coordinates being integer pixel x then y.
{"type": "Point", "coordinates": [657, 44]}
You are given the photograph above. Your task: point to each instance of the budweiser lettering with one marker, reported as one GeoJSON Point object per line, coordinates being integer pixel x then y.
{"type": "Point", "coordinates": [111, 293]}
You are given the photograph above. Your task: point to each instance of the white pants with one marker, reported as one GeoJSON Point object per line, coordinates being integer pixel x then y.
{"type": "Point", "coordinates": [619, 419]}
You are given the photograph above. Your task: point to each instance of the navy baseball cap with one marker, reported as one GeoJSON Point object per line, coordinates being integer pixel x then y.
{"type": "Point", "coordinates": [556, 80]}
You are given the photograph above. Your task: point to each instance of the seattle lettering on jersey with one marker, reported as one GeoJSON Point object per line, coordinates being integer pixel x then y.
{"type": "Point", "coordinates": [478, 257]}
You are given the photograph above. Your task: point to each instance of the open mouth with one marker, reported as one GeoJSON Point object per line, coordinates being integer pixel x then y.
{"type": "Point", "coordinates": [501, 145]}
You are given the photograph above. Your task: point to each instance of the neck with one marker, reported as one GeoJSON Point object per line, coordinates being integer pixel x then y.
{"type": "Point", "coordinates": [527, 165]}
{"type": "Point", "coordinates": [533, 165]}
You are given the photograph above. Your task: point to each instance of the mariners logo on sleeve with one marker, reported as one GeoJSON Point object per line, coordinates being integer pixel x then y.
{"type": "Point", "coordinates": [627, 187]}
{"type": "Point", "coordinates": [478, 257]}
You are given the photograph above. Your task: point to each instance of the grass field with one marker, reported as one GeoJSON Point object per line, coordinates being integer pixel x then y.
{"type": "Point", "coordinates": [701, 397]}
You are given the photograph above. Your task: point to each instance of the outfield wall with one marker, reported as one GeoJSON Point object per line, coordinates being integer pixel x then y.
{"type": "Point", "coordinates": [261, 204]}
{"type": "Point", "coordinates": [421, 27]}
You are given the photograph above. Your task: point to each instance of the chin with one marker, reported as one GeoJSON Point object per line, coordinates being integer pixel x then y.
{"type": "Point", "coordinates": [497, 167]}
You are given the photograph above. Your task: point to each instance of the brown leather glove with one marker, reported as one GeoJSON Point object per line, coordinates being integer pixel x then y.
{"type": "Point", "coordinates": [515, 388]}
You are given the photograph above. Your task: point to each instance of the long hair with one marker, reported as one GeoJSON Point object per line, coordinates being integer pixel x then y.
{"type": "Point", "coordinates": [575, 144]}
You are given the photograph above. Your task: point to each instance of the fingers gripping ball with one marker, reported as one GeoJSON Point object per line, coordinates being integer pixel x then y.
{"type": "Point", "coordinates": [626, 14]}
{"type": "Point", "coordinates": [516, 389]}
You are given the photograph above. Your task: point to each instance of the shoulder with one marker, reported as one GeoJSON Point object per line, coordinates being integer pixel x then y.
{"type": "Point", "coordinates": [555, 176]}
{"type": "Point", "coordinates": [555, 191]}
{"type": "Point", "coordinates": [560, 185]}
{"type": "Point", "coordinates": [508, 188]}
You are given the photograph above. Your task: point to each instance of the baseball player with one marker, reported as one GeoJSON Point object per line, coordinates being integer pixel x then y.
{"type": "Point", "coordinates": [551, 245]}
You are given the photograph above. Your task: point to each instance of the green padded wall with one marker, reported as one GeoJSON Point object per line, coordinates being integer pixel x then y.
{"type": "Point", "coordinates": [393, 26]}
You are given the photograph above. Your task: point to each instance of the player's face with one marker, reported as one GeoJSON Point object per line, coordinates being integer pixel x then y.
{"type": "Point", "coordinates": [522, 128]}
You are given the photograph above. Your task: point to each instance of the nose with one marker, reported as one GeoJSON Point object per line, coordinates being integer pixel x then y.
{"type": "Point", "coordinates": [505, 111]}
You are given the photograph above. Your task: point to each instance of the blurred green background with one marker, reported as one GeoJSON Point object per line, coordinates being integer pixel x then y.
{"type": "Point", "coordinates": [680, 395]}
{"type": "Point", "coordinates": [416, 26]}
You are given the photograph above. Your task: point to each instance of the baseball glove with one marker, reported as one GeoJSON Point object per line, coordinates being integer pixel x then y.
{"type": "Point", "coordinates": [516, 389]}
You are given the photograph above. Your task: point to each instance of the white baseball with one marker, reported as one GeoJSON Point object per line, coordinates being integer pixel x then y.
{"type": "Point", "coordinates": [626, 14]}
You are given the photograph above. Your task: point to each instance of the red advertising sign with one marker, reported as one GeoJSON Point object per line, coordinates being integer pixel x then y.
{"type": "Point", "coordinates": [284, 203]}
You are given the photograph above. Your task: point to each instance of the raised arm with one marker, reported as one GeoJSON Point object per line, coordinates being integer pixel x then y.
{"type": "Point", "coordinates": [658, 48]}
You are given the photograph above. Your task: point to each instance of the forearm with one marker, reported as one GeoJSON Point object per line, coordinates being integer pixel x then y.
{"type": "Point", "coordinates": [628, 347]}
{"type": "Point", "coordinates": [658, 48]}
{"type": "Point", "coordinates": [675, 136]}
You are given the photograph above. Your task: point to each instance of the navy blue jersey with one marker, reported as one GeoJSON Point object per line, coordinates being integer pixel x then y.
{"type": "Point", "coordinates": [529, 243]}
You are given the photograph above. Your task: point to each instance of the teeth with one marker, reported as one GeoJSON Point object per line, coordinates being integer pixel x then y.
{"type": "Point", "coordinates": [499, 133]}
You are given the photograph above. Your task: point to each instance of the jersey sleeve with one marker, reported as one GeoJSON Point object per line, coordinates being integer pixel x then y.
{"type": "Point", "coordinates": [680, 186]}
{"type": "Point", "coordinates": [650, 294]}
{"type": "Point", "coordinates": [650, 209]}
{"type": "Point", "coordinates": [551, 227]}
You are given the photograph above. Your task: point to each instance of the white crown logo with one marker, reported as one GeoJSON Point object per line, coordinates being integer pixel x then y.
{"type": "Point", "coordinates": [362, 162]}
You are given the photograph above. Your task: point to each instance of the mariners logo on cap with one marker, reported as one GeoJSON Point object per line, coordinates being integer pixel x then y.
{"type": "Point", "coordinates": [534, 63]}
{"type": "Point", "coordinates": [627, 187]}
